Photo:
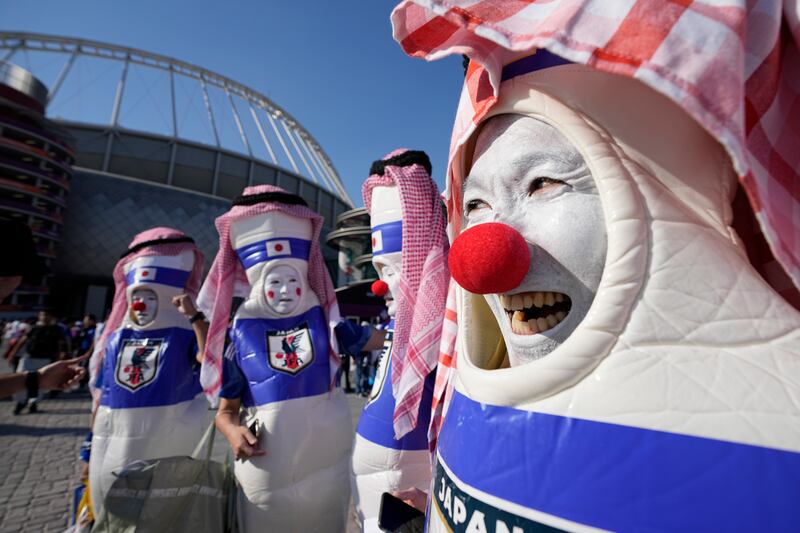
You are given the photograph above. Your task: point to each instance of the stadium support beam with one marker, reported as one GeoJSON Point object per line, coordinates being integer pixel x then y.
{"type": "Point", "coordinates": [239, 123]}
{"type": "Point", "coordinates": [115, 115]}
{"type": "Point", "coordinates": [262, 134]}
{"type": "Point", "coordinates": [283, 143]}
{"type": "Point", "coordinates": [314, 163]}
{"type": "Point", "coordinates": [210, 112]}
{"type": "Point", "coordinates": [297, 150]}
{"type": "Point", "coordinates": [62, 75]}
{"type": "Point", "coordinates": [172, 102]}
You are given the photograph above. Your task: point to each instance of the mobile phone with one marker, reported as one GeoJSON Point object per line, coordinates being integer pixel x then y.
{"type": "Point", "coordinates": [396, 516]}
{"type": "Point", "coordinates": [255, 429]}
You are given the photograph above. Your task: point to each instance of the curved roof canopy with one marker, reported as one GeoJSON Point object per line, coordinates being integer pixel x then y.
{"type": "Point", "coordinates": [119, 87]}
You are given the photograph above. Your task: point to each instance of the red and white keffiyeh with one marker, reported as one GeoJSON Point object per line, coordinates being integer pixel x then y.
{"type": "Point", "coordinates": [445, 368]}
{"type": "Point", "coordinates": [155, 241]}
{"type": "Point", "coordinates": [227, 279]}
{"type": "Point", "coordinates": [423, 285]}
{"type": "Point", "coordinates": [734, 66]}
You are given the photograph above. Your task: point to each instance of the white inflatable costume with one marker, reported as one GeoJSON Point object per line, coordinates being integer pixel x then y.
{"type": "Point", "coordinates": [151, 404]}
{"type": "Point", "coordinates": [382, 461]}
{"type": "Point", "coordinates": [281, 363]}
{"type": "Point", "coordinates": [652, 377]}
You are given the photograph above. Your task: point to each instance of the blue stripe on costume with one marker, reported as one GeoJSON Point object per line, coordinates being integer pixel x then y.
{"type": "Point", "coordinates": [618, 477]}
{"type": "Point", "coordinates": [376, 423]}
{"type": "Point", "coordinates": [172, 277]}
{"type": "Point", "coordinates": [171, 378]}
{"type": "Point", "coordinates": [542, 59]}
{"type": "Point", "coordinates": [256, 252]}
{"type": "Point", "coordinates": [272, 379]}
{"type": "Point", "coordinates": [391, 236]}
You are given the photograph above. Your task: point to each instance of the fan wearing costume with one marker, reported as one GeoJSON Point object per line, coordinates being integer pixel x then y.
{"type": "Point", "coordinates": [409, 247]}
{"type": "Point", "coordinates": [280, 365]}
{"type": "Point", "coordinates": [151, 402]}
{"type": "Point", "coordinates": [622, 365]}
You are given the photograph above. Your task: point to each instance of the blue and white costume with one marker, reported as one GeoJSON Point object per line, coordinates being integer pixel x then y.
{"type": "Point", "coordinates": [151, 402]}
{"type": "Point", "coordinates": [673, 405]}
{"type": "Point", "coordinates": [382, 462]}
{"type": "Point", "coordinates": [278, 364]}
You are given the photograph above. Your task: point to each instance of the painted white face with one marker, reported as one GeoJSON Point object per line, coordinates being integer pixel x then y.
{"type": "Point", "coordinates": [389, 267]}
{"type": "Point", "coordinates": [283, 289]}
{"type": "Point", "coordinates": [144, 306]}
{"type": "Point", "coordinates": [527, 175]}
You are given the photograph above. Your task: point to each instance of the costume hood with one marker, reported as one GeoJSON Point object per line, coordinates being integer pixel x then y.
{"type": "Point", "coordinates": [250, 243]}
{"type": "Point", "coordinates": [164, 260]}
{"type": "Point", "coordinates": [424, 275]}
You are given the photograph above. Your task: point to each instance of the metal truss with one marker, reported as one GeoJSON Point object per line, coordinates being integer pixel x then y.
{"type": "Point", "coordinates": [312, 157]}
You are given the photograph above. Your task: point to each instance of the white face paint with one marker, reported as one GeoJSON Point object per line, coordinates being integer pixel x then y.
{"type": "Point", "coordinates": [527, 175]}
{"type": "Point", "coordinates": [389, 267]}
{"type": "Point", "coordinates": [144, 306]}
{"type": "Point", "coordinates": [283, 289]}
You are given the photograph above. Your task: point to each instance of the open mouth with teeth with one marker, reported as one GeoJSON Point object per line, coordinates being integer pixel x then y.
{"type": "Point", "coordinates": [535, 312]}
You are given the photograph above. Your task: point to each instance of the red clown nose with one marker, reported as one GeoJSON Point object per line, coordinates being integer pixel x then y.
{"type": "Point", "coordinates": [379, 288]}
{"type": "Point", "coordinates": [138, 306]}
{"type": "Point", "coordinates": [490, 258]}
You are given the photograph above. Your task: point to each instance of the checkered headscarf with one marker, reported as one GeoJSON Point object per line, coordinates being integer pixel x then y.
{"type": "Point", "coordinates": [155, 241]}
{"type": "Point", "coordinates": [424, 278]}
{"type": "Point", "coordinates": [227, 279]}
{"type": "Point", "coordinates": [732, 67]}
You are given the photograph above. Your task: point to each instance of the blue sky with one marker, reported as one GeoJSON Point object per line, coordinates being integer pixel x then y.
{"type": "Point", "coordinates": [333, 65]}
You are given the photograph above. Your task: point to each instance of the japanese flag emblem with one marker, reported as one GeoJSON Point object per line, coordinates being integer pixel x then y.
{"type": "Point", "coordinates": [377, 241]}
{"type": "Point", "coordinates": [138, 363]}
{"type": "Point", "coordinates": [278, 248]}
{"type": "Point", "coordinates": [146, 274]}
{"type": "Point", "coordinates": [290, 351]}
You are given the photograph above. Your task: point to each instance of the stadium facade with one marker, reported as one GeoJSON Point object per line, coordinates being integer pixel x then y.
{"type": "Point", "coordinates": [159, 143]}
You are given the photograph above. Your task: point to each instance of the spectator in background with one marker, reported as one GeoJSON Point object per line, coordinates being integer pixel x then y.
{"type": "Point", "coordinates": [19, 261]}
{"type": "Point", "coordinates": [85, 339]}
{"type": "Point", "coordinates": [45, 343]}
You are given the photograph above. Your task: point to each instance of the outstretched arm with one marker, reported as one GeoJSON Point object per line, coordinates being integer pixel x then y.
{"type": "Point", "coordinates": [58, 375]}
{"type": "Point", "coordinates": [185, 305]}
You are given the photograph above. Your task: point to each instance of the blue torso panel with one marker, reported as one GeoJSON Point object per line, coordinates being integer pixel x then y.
{"type": "Point", "coordinates": [376, 423]}
{"type": "Point", "coordinates": [150, 368]}
{"type": "Point", "coordinates": [282, 359]}
{"type": "Point", "coordinates": [610, 476]}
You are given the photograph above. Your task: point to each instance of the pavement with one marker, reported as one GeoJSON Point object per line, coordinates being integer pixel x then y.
{"type": "Point", "coordinates": [39, 465]}
{"type": "Point", "coordinates": [39, 462]}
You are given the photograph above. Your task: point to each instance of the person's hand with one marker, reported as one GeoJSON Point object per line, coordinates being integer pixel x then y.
{"type": "Point", "coordinates": [243, 443]}
{"type": "Point", "coordinates": [85, 473]}
{"type": "Point", "coordinates": [185, 305]}
{"type": "Point", "coordinates": [62, 374]}
{"type": "Point", "coordinates": [413, 497]}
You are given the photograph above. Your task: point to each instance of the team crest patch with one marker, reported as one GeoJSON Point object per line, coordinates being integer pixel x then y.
{"type": "Point", "coordinates": [383, 366]}
{"type": "Point", "coordinates": [290, 350]}
{"type": "Point", "coordinates": [138, 363]}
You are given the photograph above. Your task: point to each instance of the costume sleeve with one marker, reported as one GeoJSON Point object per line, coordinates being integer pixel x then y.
{"type": "Point", "coordinates": [233, 380]}
{"type": "Point", "coordinates": [352, 337]}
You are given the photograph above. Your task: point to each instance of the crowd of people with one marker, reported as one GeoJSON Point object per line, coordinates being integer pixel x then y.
{"type": "Point", "coordinates": [31, 343]}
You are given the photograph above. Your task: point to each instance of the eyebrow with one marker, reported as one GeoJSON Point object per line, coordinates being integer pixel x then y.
{"type": "Point", "coordinates": [534, 159]}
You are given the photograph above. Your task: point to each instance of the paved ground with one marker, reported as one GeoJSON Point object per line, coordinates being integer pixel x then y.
{"type": "Point", "coordinates": [39, 466]}
{"type": "Point", "coordinates": [38, 462]}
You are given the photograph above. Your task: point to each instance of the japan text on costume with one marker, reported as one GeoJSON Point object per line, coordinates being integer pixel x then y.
{"type": "Point", "coordinates": [409, 247]}
{"type": "Point", "coordinates": [281, 362]}
{"type": "Point", "coordinates": [622, 365]}
{"type": "Point", "coordinates": [151, 404]}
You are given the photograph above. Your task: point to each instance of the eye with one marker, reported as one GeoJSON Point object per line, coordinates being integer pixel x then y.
{"type": "Point", "coordinates": [539, 185]}
{"type": "Point", "coordinates": [472, 205]}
